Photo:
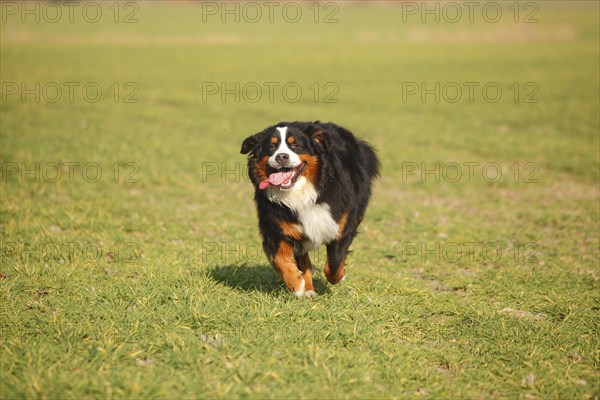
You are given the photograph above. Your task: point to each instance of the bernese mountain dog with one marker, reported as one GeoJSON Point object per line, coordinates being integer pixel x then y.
{"type": "Point", "coordinates": [312, 185]}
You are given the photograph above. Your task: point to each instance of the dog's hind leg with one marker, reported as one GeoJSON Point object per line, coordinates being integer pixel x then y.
{"type": "Point", "coordinates": [335, 268]}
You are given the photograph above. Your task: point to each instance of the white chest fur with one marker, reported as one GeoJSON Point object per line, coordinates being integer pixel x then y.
{"type": "Point", "coordinates": [316, 222]}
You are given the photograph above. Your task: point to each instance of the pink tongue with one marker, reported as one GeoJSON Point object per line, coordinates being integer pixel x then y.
{"type": "Point", "coordinates": [276, 179]}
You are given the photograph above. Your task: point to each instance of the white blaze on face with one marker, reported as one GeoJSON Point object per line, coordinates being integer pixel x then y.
{"type": "Point", "coordinates": [283, 148]}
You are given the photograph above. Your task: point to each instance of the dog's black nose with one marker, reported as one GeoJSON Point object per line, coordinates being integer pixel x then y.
{"type": "Point", "coordinates": [282, 158]}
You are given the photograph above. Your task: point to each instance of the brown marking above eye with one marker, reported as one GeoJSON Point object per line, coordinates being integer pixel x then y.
{"type": "Point", "coordinates": [274, 139]}
{"type": "Point", "coordinates": [291, 140]}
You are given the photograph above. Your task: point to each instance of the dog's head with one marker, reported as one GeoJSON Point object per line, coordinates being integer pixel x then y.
{"type": "Point", "coordinates": [283, 153]}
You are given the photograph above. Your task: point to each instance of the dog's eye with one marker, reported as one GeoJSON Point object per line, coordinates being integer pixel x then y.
{"type": "Point", "coordinates": [294, 146]}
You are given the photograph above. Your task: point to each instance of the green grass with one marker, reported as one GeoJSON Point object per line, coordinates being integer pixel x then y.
{"type": "Point", "coordinates": [171, 298]}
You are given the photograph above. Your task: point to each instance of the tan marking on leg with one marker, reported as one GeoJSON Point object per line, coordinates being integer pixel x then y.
{"type": "Point", "coordinates": [339, 274]}
{"type": "Point", "coordinates": [285, 263]}
{"type": "Point", "coordinates": [342, 225]}
{"type": "Point", "coordinates": [306, 268]}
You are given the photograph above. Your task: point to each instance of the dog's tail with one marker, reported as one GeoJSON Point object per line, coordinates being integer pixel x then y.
{"type": "Point", "coordinates": [369, 159]}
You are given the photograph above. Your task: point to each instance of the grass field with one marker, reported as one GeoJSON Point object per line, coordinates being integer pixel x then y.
{"type": "Point", "coordinates": [148, 280]}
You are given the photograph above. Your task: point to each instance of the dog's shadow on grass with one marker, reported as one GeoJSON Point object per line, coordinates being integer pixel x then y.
{"type": "Point", "coordinates": [262, 278]}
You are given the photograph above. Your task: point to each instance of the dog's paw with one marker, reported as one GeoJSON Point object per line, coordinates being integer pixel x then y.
{"type": "Point", "coordinates": [300, 292]}
{"type": "Point", "coordinates": [309, 294]}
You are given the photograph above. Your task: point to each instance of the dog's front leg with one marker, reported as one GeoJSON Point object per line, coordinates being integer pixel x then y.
{"type": "Point", "coordinates": [284, 262]}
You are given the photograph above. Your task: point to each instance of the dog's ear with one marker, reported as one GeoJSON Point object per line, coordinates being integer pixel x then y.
{"type": "Point", "coordinates": [320, 138]}
{"type": "Point", "coordinates": [250, 143]}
